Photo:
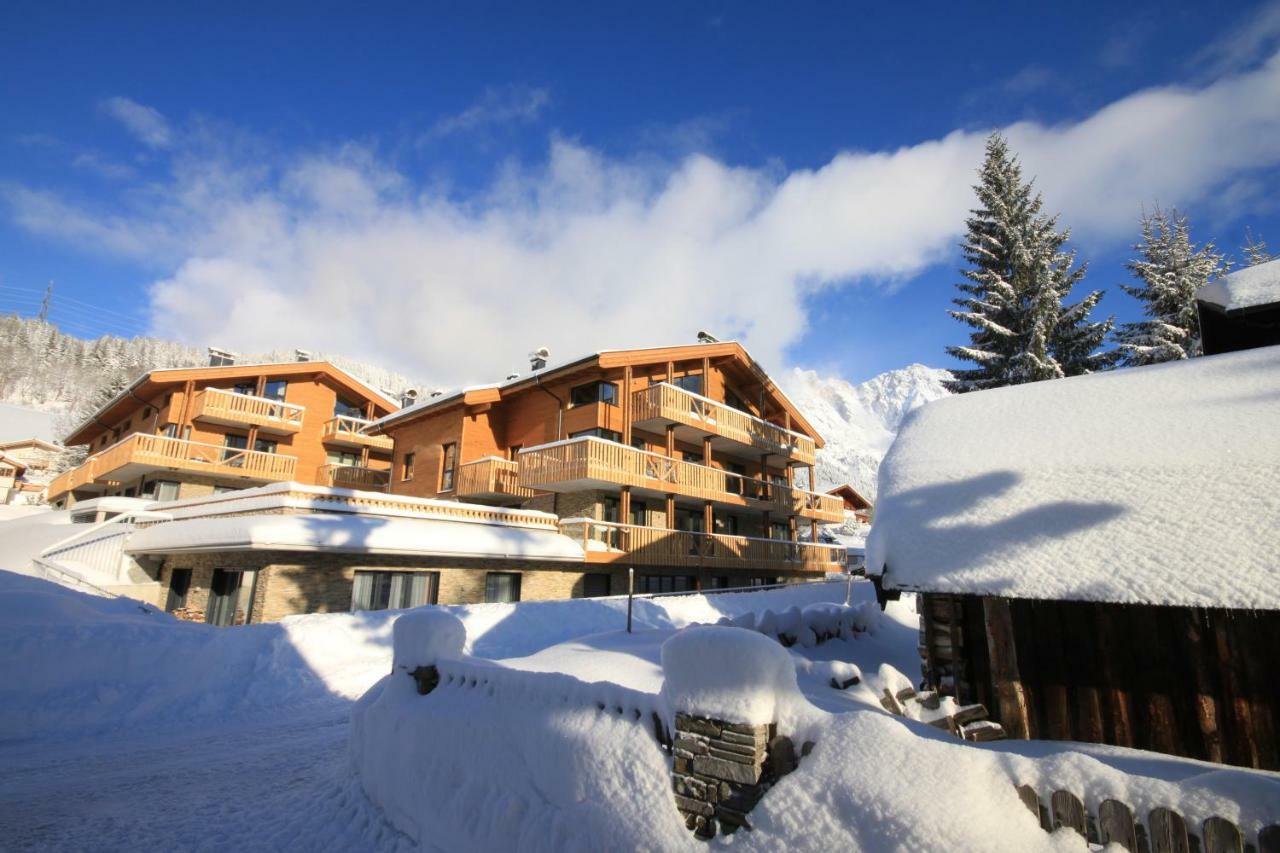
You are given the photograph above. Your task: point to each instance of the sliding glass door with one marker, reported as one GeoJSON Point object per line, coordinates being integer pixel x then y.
{"type": "Point", "coordinates": [230, 597]}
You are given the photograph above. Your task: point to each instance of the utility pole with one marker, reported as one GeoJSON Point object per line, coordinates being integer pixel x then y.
{"type": "Point", "coordinates": [44, 303]}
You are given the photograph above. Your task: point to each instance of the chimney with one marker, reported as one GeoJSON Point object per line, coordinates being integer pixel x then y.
{"type": "Point", "coordinates": [302, 355]}
{"type": "Point", "coordinates": [707, 338]}
{"type": "Point", "coordinates": [538, 358]}
{"type": "Point", "coordinates": [408, 397]}
{"type": "Point", "coordinates": [221, 357]}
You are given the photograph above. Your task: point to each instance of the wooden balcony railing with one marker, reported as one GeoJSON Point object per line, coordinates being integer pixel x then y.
{"type": "Point", "coordinates": [220, 406]}
{"type": "Point", "coordinates": [140, 452]}
{"type": "Point", "coordinates": [663, 402]}
{"type": "Point", "coordinates": [80, 477]}
{"type": "Point", "coordinates": [353, 432]}
{"type": "Point", "coordinates": [655, 546]}
{"type": "Point", "coordinates": [353, 477]}
{"type": "Point", "coordinates": [491, 477]}
{"type": "Point", "coordinates": [573, 464]}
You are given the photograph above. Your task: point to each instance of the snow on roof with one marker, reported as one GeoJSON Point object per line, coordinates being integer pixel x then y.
{"type": "Point", "coordinates": [1248, 288]}
{"type": "Point", "coordinates": [353, 534]}
{"type": "Point", "coordinates": [1148, 485]}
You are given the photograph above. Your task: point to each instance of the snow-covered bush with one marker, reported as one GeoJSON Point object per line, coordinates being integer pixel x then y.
{"type": "Point", "coordinates": [807, 627]}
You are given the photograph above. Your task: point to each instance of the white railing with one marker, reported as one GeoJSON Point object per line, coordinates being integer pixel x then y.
{"type": "Point", "coordinates": [99, 548]}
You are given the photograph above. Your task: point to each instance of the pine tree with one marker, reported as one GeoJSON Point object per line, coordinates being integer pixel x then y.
{"type": "Point", "coordinates": [1019, 272]}
{"type": "Point", "coordinates": [1170, 269]}
{"type": "Point", "coordinates": [1255, 251]}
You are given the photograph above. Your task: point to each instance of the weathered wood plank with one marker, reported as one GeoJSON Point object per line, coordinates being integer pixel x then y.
{"type": "Point", "coordinates": [1168, 832]}
{"type": "Point", "coordinates": [1011, 701]}
{"type": "Point", "coordinates": [1198, 647]}
{"type": "Point", "coordinates": [1115, 694]}
{"type": "Point", "coordinates": [1068, 811]}
{"type": "Point", "coordinates": [1222, 836]}
{"type": "Point", "coordinates": [1116, 825]}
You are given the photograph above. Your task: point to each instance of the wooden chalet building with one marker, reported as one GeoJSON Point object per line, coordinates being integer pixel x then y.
{"type": "Point", "coordinates": [854, 503]}
{"type": "Point", "coordinates": [680, 462]}
{"type": "Point", "coordinates": [187, 432]}
{"type": "Point", "coordinates": [1241, 310]}
{"type": "Point", "coordinates": [1099, 557]}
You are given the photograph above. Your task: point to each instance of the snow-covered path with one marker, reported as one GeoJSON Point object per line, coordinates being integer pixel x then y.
{"type": "Point", "coordinates": [278, 782]}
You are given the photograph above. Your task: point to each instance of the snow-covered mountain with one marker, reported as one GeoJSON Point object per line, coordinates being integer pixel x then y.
{"type": "Point", "coordinates": [859, 422]}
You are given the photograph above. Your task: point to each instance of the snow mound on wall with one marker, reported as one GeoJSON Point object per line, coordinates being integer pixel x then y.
{"type": "Point", "coordinates": [859, 422]}
{"type": "Point", "coordinates": [727, 673]}
{"type": "Point", "coordinates": [1148, 485]}
{"type": "Point", "coordinates": [424, 636]}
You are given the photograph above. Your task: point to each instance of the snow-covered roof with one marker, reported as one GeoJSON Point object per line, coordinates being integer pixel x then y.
{"type": "Point", "coordinates": [353, 534]}
{"type": "Point", "coordinates": [1248, 288]}
{"type": "Point", "coordinates": [1152, 485]}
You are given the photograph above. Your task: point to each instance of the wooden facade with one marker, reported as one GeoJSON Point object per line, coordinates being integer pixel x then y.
{"type": "Point", "coordinates": [209, 428]}
{"type": "Point", "coordinates": [696, 437]}
{"type": "Point", "coordinates": [1194, 682]}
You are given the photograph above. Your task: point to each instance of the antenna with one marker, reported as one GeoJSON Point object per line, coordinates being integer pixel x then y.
{"type": "Point", "coordinates": [44, 303]}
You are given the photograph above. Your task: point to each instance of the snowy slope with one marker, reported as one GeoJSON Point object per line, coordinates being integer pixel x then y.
{"type": "Point", "coordinates": [859, 422]}
{"type": "Point", "coordinates": [19, 422]}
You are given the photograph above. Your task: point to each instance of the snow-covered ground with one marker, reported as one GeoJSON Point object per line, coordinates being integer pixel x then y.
{"type": "Point", "coordinates": [121, 728]}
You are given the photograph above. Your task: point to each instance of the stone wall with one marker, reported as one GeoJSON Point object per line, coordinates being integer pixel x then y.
{"type": "Point", "coordinates": [718, 772]}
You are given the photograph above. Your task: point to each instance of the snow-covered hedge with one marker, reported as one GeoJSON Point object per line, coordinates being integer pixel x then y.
{"type": "Point", "coordinates": [810, 625]}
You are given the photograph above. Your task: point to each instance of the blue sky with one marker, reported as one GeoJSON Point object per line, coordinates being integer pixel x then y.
{"type": "Point", "coordinates": [442, 189]}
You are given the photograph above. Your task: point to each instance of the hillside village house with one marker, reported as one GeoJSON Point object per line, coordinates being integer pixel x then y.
{"type": "Point", "coordinates": [1108, 570]}
{"type": "Point", "coordinates": [11, 473]}
{"type": "Point", "coordinates": [678, 463]}
{"type": "Point", "coordinates": [183, 433]}
{"type": "Point", "coordinates": [854, 503]}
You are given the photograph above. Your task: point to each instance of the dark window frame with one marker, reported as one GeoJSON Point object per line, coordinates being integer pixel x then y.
{"type": "Point", "coordinates": [591, 393]}
{"type": "Point", "coordinates": [448, 466]}
{"type": "Point", "coordinates": [492, 583]}
{"type": "Point", "coordinates": [406, 466]}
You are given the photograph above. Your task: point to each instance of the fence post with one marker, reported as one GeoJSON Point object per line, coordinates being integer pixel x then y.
{"type": "Point", "coordinates": [631, 589]}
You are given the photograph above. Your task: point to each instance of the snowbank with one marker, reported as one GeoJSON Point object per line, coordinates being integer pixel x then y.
{"type": "Point", "coordinates": [25, 536]}
{"type": "Point", "coordinates": [1248, 288]}
{"type": "Point", "coordinates": [727, 673]}
{"type": "Point", "coordinates": [1150, 485]}
{"type": "Point", "coordinates": [423, 637]}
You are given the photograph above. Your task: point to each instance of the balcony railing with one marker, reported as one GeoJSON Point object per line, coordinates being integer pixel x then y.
{"type": "Point", "coordinates": [217, 405]}
{"type": "Point", "coordinates": [669, 404]}
{"type": "Point", "coordinates": [139, 453]}
{"type": "Point", "coordinates": [492, 478]}
{"type": "Point", "coordinates": [582, 462]}
{"type": "Point", "coordinates": [80, 477]}
{"type": "Point", "coordinates": [353, 432]}
{"type": "Point", "coordinates": [353, 477]}
{"type": "Point", "coordinates": [655, 546]}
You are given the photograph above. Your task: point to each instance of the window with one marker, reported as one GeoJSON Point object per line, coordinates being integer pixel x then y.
{"type": "Point", "coordinates": [595, 585]}
{"type": "Point", "coordinates": [169, 430]}
{"type": "Point", "coordinates": [146, 413]}
{"type": "Point", "coordinates": [733, 401]}
{"type": "Point", "coordinates": [345, 408]}
{"type": "Point", "coordinates": [689, 520]}
{"type": "Point", "coordinates": [733, 485]}
{"type": "Point", "coordinates": [275, 389]}
{"type": "Point", "coordinates": [394, 590]}
{"type": "Point", "coordinates": [691, 382]}
{"type": "Point", "coordinates": [348, 458]}
{"type": "Point", "coordinates": [223, 490]}
{"type": "Point", "coordinates": [448, 467]}
{"type": "Point", "coordinates": [160, 490]}
{"type": "Point", "coordinates": [598, 432]}
{"type": "Point", "coordinates": [406, 467]}
{"type": "Point", "coordinates": [179, 583]}
{"type": "Point", "coordinates": [233, 449]}
{"type": "Point", "coordinates": [610, 510]}
{"type": "Point", "coordinates": [594, 392]}
{"type": "Point", "coordinates": [639, 444]}
{"type": "Point", "coordinates": [513, 452]}
{"type": "Point", "coordinates": [501, 587]}
{"type": "Point", "coordinates": [779, 530]}
{"type": "Point", "coordinates": [230, 597]}
{"type": "Point", "coordinates": [249, 388]}
{"type": "Point", "coordinates": [639, 513]}
{"type": "Point", "coordinates": [664, 583]}
{"type": "Point", "coordinates": [264, 445]}
{"type": "Point", "coordinates": [727, 524]}
{"type": "Point", "coordinates": [690, 456]}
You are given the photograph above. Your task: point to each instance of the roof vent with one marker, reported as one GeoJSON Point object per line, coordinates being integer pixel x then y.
{"type": "Point", "coordinates": [436, 393]}
{"type": "Point", "coordinates": [408, 397]}
{"type": "Point", "coordinates": [221, 357]}
{"type": "Point", "coordinates": [707, 338]}
{"type": "Point", "coordinates": [511, 376]}
{"type": "Point", "coordinates": [302, 355]}
{"type": "Point", "coordinates": [538, 358]}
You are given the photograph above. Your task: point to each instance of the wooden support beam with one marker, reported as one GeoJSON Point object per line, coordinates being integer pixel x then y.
{"type": "Point", "coordinates": [671, 512]}
{"type": "Point", "coordinates": [1011, 699]}
{"type": "Point", "coordinates": [671, 441]}
{"type": "Point", "coordinates": [626, 405]}
{"type": "Point", "coordinates": [624, 516]}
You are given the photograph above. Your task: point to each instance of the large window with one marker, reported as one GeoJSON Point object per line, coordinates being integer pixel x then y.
{"type": "Point", "coordinates": [448, 467]}
{"type": "Point", "coordinates": [264, 445]}
{"type": "Point", "coordinates": [160, 490]}
{"type": "Point", "coordinates": [274, 390]}
{"type": "Point", "coordinates": [179, 584]}
{"type": "Point", "coordinates": [342, 457]}
{"type": "Point", "coordinates": [733, 401]}
{"type": "Point", "coordinates": [233, 449]}
{"type": "Point", "coordinates": [690, 520]}
{"type": "Point", "coordinates": [598, 432]}
{"type": "Point", "coordinates": [346, 408]}
{"type": "Point", "coordinates": [595, 585]}
{"type": "Point", "coordinates": [230, 597]}
{"type": "Point", "coordinates": [594, 392]}
{"type": "Point", "coordinates": [394, 590]}
{"type": "Point", "coordinates": [501, 587]}
{"type": "Point", "coordinates": [664, 583]}
{"type": "Point", "coordinates": [249, 388]}
{"type": "Point", "coordinates": [691, 382]}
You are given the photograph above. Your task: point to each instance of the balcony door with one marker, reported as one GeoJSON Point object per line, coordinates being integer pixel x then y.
{"type": "Point", "coordinates": [233, 448]}
{"type": "Point", "coordinates": [230, 597]}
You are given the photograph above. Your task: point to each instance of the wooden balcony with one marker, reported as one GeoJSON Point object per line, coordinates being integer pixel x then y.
{"type": "Point", "coordinates": [348, 431]}
{"type": "Point", "coordinates": [218, 406]}
{"type": "Point", "coordinates": [594, 463]}
{"type": "Point", "coordinates": [78, 479]}
{"type": "Point", "coordinates": [353, 477]}
{"type": "Point", "coordinates": [731, 431]}
{"type": "Point", "coordinates": [141, 454]}
{"type": "Point", "coordinates": [605, 542]}
{"type": "Point", "coordinates": [493, 479]}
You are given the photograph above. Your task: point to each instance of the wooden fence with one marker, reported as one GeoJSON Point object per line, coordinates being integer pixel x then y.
{"type": "Point", "coordinates": [1164, 831]}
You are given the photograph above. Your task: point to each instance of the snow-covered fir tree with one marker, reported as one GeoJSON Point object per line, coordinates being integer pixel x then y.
{"type": "Point", "coordinates": [1019, 273]}
{"type": "Point", "coordinates": [1255, 251]}
{"type": "Point", "coordinates": [1170, 268]}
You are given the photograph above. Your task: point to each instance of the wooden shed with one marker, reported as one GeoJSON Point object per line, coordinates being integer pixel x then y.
{"type": "Point", "coordinates": [1098, 558]}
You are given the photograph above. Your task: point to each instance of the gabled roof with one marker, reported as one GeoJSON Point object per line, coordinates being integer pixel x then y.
{"type": "Point", "coordinates": [850, 495]}
{"type": "Point", "coordinates": [14, 463]}
{"type": "Point", "coordinates": [477, 394]}
{"type": "Point", "coordinates": [153, 380]}
{"type": "Point", "coordinates": [1249, 288]}
{"type": "Point", "coordinates": [1154, 485]}
{"type": "Point", "coordinates": [30, 442]}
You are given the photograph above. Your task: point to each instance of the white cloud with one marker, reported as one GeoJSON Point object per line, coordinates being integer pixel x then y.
{"type": "Point", "coordinates": [338, 251]}
{"type": "Point", "coordinates": [1245, 44]}
{"type": "Point", "coordinates": [500, 105]}
{"type": "Point", "coordinates": [145, 123]}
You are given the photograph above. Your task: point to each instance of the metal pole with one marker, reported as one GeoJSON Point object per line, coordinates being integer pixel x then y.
{"type": "Point", "coordinates": [848, 588]}
{"type": "Point", "coordinates": [631, 588]}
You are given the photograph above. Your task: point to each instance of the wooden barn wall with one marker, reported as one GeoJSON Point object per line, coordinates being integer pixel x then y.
{"type": "Point", "coordinates": [1184, 681]}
